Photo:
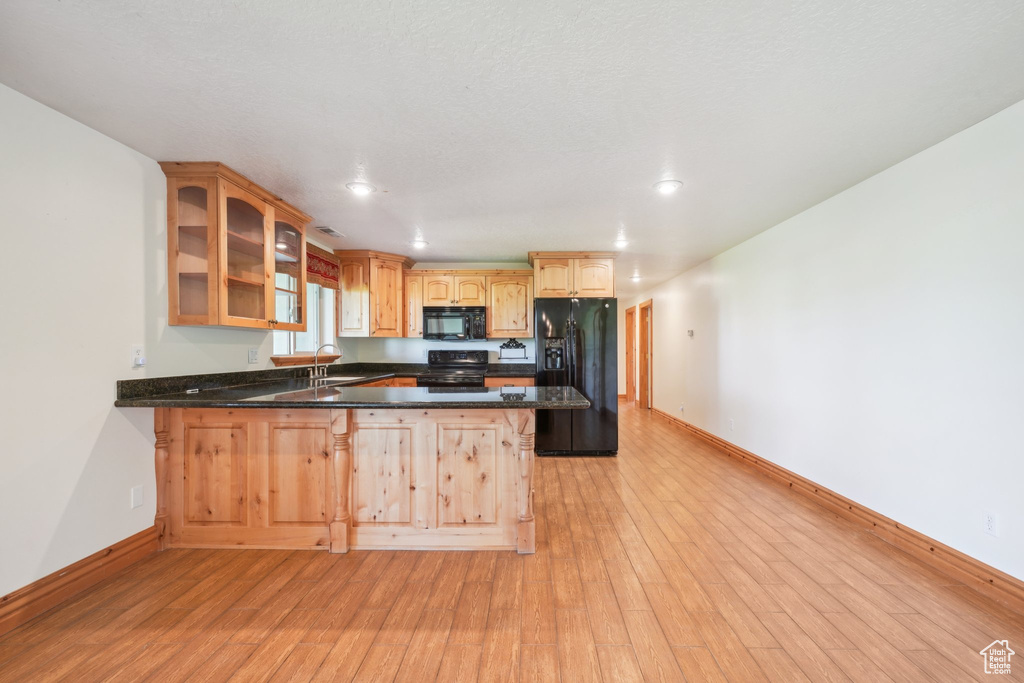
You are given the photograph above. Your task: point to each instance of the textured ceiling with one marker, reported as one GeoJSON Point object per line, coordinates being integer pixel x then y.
{"type": "Point", "coordinates": [496, 128]}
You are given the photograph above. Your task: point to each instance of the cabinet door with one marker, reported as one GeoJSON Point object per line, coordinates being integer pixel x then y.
{"type": "Point", "coordinates": [289, 273]}
{"type": "Point", "coordinates": [354, 298]}
{"type": "Point", "coordinates": [594, 277]}
{"type": "Point", "coordinates": [438, 290]}
{"type": "Point", "coordinates": [386, 298]}
{"type": "Point", "coordinates": [470, 290]}
{"type": "Point", "coordinates": [510, 307]}
{"type": "Point", "coordinates": [508, 382]}
{"type": "Point", "coordinates": [413, 305]}
{"type": "Point", "coordinates": [192, 251]}
{"type": "Point", "coordinates": [553, 276]}
{"type": "Point", "coordinates": [245, 293]}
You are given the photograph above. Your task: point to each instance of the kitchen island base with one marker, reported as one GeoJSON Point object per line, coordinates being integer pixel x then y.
{"type": "Point", "coordinates": [348, 478]}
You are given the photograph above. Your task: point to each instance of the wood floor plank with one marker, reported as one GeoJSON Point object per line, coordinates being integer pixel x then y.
{"type": "Point", "coordinates": [778, 666]}
{"type": "Point", "coordinates": [539, 614]}
{"type": "Point", "coordinates": [653, 652]}
{"type": "Point", "coordinates": [302, 662]}
{"type": "Point", "coordinates": [606, 622]}
{"type": "Point", "coordinates": [577, 653]}
{"type": "Point", "coordinates": [618, 663]}
{"type": "Point", "coordinates": [698, 664]}
{"type": "Point", "coordinates": [426, 648]}
{"type": "Point", "coordinates": [539, 663]}
{"type": "Point", "coordinates": [499, 655]}
{"type": "Point", "coordinates": [471, 614]}
{"type": "Point", "coordinates": [460, 663]}
{"type": "Point", "coordinates": [345, 658]}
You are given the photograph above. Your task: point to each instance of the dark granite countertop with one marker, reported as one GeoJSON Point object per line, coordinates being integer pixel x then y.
{"type": "Point", "coordinates": [131, 389]}
{"type": "Point", "coordinates": [299, 393]}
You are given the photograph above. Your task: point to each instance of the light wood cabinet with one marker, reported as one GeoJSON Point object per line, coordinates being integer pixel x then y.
{"type": "Point", "coordinates": [438, 290]}
{"type": "Point", "coordinates": [413, 305]}
{"type": "Point", "coordinates": [371, 302]}
{"type": "Point", "coordinates": [236, 254]}
{"type": "Point", "coordinates": [508, 382]}
{"type": "Point", "coordinates": [575, 274]}
{"type": "Point", "coordinates": [510, 306]}
{"type": "Point", "coordinates": [441, 289]}
{"type": "Point", "coordinates": [386, 301]}
{"type": "Point", "coordinates": [470, 290]}
{"type": "Point", "coordinates": [342, 479]}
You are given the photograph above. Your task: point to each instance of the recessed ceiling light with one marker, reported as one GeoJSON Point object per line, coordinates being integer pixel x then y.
{"type": "Point", "coordinates": [621, 242]}
{"type": "Point", "coordinates": [635, 278]}
{"type": "Point", "coordinates": [419, 244]}
{"type": "Point", "coordinates": [668, 186]}
{"type": "Point", "coordinates": [361, 188]}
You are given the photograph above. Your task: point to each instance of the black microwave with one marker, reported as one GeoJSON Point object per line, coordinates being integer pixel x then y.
{"type": "Point", "coordinates": [454, 323]}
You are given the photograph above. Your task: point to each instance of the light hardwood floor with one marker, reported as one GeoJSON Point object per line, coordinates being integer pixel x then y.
{"type": "Point", "coordinates": [669, 562]}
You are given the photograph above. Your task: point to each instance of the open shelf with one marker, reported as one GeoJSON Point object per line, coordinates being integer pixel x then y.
{"type": "Point", "coordinates": [245, 282]}
{"type": "Point", "coordinates": [245, 245]}
{"type": "Point", "coordinates": [282, 257]}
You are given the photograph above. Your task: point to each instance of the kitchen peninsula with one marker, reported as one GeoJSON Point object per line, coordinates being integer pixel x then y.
{"type": "Point", "coordinates": [289, 462]}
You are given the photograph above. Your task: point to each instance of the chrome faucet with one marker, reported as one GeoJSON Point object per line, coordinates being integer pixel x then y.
{"type": "Point", "coordinates": [318, 372]}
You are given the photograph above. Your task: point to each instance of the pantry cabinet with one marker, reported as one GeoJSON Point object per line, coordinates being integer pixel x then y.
{"type": "Point", "coordinates": [573, 274]}
{"type": "Point", "coordinates": [236, 254]}
{"type": "Point", "coordinates": [371, 303]}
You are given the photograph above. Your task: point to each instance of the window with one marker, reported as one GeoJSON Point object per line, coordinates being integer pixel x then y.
{"type": "Point", "coordinates": [319, 326]}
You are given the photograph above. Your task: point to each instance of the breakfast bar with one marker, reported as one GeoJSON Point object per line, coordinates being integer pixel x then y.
{"type": "Point", "coordinates": [324, 463]}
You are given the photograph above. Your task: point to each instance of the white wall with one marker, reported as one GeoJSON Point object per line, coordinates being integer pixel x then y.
{"type": "Point", "coordinates": [875, 343]}
{"type": "Point", "coordinates": [84, 278]}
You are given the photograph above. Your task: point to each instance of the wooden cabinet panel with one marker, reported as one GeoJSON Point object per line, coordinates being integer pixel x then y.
{"type": "Point", "coordinates": [510, 307]}
{"type": "Point", "coordinates": [508, 381]}
{"type": "Point", "coordinates": [215, 477]}
{"type": "Point", "coordinates": [470, 290]}
{"type": "Point", "coordinates": [594, 277]}
{"type": "Point", "coordinates": [468, 473]}
{"type": "Point", "coordinates": [382, 489]}
{"type": "Point", "coordinates": [304, 478]}
{"type": "Point", "coordinates": [354, 298]}
{"type": "Point", "coordinates": [386, 295]}
{"type": "Point", "coordinates": [403, 382]}
{"type": "Point", "coordinates": [298, 463]}
{"type": "Point", "coordinates": [552, 277]}
{"type": "Point", "coordinates": [438, 290]}
{"type": "Point", "coordinates": [413, 305]}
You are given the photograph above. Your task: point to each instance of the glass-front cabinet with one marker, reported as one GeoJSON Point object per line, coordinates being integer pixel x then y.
{"type": "Point", "coordinates": [236, 253]}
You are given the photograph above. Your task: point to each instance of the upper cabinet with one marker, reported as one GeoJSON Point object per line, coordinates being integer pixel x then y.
{"type": "Point", "coordinates": [446, 289]}
{"type": "Point", "coordinates": [573, 274]}
{"type": "Point", "coordinates": [510, 306]}
{"type": "Point", "coordinates": [413, 287]}
{"type": "Point", "coordinates": [371, 303]}
{"type": "Point", "coordinates": [236, 254]}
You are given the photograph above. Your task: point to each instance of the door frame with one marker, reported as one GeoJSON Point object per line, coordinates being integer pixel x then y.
{"type": "Point", "coordinates": [646, 388]}
{"type": "Point", "coordinates": [631, 354]}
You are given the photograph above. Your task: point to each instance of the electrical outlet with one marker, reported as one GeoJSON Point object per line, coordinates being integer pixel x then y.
{"type": "Point", "coordinates": [680, 407]}
{"type": "Point", "coordinates": [732, 425]}
{"type": "Point", "coordinates": [138, 358]}
{"type": "Point", "coordinates": [254, 355]}
{"type": "Point", "coordinates": [990, 521]}
{"type": "Point", "coordinates": [136, 496]}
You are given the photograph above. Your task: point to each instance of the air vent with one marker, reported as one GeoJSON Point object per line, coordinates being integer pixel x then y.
{"type": "Point", "coordinates": [329, 231]}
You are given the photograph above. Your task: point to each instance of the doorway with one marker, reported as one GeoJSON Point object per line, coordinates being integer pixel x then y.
{"type": "Point", "coordinates": [646, 355]}
{"type": "Point", "coordinates": [631, 354]}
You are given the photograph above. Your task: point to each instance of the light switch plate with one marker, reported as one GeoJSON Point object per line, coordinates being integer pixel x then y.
{"type": "Point", "coordinates": [136, 497]}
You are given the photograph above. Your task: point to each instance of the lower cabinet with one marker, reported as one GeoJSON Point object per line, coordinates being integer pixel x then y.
{"type": "Point", "coordinates": [508, 381]}
{"type": "Point", "coordinates": [284, 478]}
{"type": "Point", "coordinates": [249, 477]}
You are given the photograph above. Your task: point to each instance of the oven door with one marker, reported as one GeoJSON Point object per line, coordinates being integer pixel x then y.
{"type": "Point", "coordinates": [445, 324]}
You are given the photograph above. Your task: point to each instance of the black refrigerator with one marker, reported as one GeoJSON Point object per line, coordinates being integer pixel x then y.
{"type": "Point", "coordinates": [577, 346]}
